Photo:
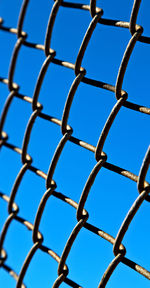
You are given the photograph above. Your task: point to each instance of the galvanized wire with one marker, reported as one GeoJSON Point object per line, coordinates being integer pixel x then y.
{"type": "Point", "coordinates": [67, 135]}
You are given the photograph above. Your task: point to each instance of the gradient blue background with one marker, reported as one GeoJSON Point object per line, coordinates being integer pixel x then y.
{"type": "Point", "coordinates": [111, 195]}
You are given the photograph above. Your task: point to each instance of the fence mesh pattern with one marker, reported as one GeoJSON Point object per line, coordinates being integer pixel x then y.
{"type": "Point", "coordinates": [27, 162]}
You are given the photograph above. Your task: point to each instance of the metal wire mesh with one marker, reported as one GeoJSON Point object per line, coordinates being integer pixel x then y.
{"type": "Point", "coordinates": [82, 215]}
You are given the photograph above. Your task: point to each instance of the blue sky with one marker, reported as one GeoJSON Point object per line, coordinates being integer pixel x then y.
{"type": "Point", "coordinates": [111, 195]}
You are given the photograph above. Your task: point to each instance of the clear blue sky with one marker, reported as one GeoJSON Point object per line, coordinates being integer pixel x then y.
{"type": "Point", "coordinates": [111, 195]}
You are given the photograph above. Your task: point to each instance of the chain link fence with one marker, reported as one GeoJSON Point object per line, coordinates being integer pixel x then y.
{"type": "Point", "coordinates": [27, 163]}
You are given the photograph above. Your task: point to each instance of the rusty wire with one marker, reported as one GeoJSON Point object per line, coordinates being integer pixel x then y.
{"type": "Point", "coordinates": [67, 135]}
